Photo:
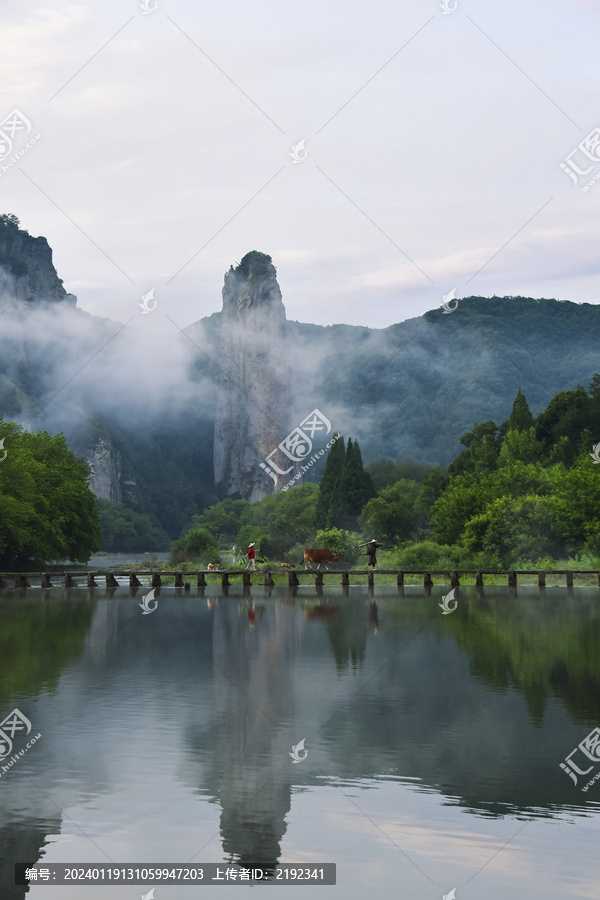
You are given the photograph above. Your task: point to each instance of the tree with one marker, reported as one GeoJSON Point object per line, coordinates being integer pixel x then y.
{"type": "Point", "coordinates": [566, 416]}
{"type": "Point", "coordinates": [468, 496]}
{"type": "Point", "coordinates": [126, 530]}
{"type": "Point", "coordinates": [338, 541]}
{"type": "Point", "coordinates": [462, 499]}
{"type": "Point", "coordinates": [431, 488]}
{"type": "Point", "coordinates": [223, 519]}
{"type": "Point", "coordinates": [277, 522]}
{"type": "Point", "coordinates": [392, 514]}
{"type": "Point", "coordinates": [47, 510]}
{"type": "Point", "coordinates": [482, 445]}
{"type": "Point", "coordinates": [520, 445]}
{"type": "Point", "coordinates": [576, 504]}
{"type": "Point", "coordinates": [293, 519]}
{"type": "Point", "coordinates": [352, 491]}
{"type": "Point", "coordinates": [329, 481]}
{"type": "Point", "coordinates": [520, 418]}
{"type": "Point", "coordinates": [515, 528]}
{"type": "Point", "coordinates": [10, 220]}
{"type": "Point", "coordinates": [197, 545]}
{"type": "Point", "coordinates": [594, 388]}
{"type": "Point", "coordinates": [384, 472]}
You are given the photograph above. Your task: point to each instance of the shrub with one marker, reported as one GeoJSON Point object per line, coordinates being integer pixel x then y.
{"type": "Point", "coordinates": [198, 545]}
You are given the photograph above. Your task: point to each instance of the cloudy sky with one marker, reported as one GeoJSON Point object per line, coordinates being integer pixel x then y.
{"type": "Point", "coordinates": [431, 156]}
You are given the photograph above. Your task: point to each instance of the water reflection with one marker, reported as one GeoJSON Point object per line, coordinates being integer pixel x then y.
{"type": "Point", "coordinates": [477, 708]}
{"type": "Point", "coordinates": [38, 639]}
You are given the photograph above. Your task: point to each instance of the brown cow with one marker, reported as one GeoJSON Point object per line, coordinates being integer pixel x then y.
{"type": "Point", "coordinates": [320, 556]}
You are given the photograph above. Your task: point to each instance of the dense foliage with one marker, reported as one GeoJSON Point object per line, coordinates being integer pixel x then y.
{"type": "Point", "coordinates": [198, 545]}
{"type": "Point", "coordinates": [527, 489]}
{"type": "Point", "coordinates": [47, 510]}
{"type": "Point", "coordinates": [283, 524]}
{"type": "Point", "coordinates": [124, 530]}
{"type": "Point", "coordinates": [275, 524]}
{"type": "Point", "coordinates": [521, 492]}
{"type": "Point", "coordinates": [524, 491]}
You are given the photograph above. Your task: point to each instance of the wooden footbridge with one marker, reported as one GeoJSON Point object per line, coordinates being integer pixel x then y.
{"type": "Point", "coordinates": [295, 577]}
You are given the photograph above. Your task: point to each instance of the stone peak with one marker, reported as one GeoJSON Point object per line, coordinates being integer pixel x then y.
{"type": "Point", "coordinates": [252, 287]}
{"type": "Point", "coordinates": [255, 265]}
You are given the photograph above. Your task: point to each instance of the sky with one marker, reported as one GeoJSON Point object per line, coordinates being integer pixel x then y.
{"type": "Point", "coordinates": [158, 149]}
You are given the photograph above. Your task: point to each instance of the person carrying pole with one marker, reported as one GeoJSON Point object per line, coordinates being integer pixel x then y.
{"type": "Point", "coordinates": [371, 552]}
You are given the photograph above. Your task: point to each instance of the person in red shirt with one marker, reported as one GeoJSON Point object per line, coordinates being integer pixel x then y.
{"type": "Point", "coordinates": [251, 555]}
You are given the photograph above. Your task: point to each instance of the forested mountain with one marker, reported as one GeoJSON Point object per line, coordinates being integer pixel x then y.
{"type": "Point", "coordinates": [407, 392]}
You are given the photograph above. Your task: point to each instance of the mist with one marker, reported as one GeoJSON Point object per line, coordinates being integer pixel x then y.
{"type": "Point", "coordinates": [150, 398]}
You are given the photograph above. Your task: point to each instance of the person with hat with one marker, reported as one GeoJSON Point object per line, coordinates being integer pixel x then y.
{"type": "Point", "coordinates": [251, 555]}
{"type": "Point", "coordinates": [371, 551]}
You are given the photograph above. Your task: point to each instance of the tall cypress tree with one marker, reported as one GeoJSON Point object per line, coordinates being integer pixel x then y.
{"type": "Point", "coordinates": [361, 487]}
{"type": "Point", "coordinates": [338, 508]}
{"type": "Point", "coordinates": [329, 482]}
{"type": "Point", "coordinates": [520, 418]}
{"type": "Point", "coordinates": [355, 488]}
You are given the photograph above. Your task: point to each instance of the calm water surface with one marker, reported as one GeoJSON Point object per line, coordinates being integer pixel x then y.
{"type": "Point", "coordinates": [434, 741]}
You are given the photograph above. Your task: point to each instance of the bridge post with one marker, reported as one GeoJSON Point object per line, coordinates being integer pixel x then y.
{"type": "Point", "coordinates": [201, 580]}
{"type": "Point", "coordinates": [21, 581]}
{"type": "Point", "coordinates": [69, 583]}
{"type": "Point", "coordinates": [134, 581]}
{"type": "Point", "coordinates": [454, 582]}
{"type": "Point", "coordinates": [156, 580]}
{"type": "Point", "coordinates": [46, 583]}
{"type": "Point", "coordinates": [293, 579]}
{"type": "Point", "coordinates": [225, 579]}
{"type": "Point", "coordinates": [512, 579]}
{"type": "Point", "coordinates": [111, 581]}
{"type": "Point", "coordinates": [90, 580]}
{"type": "Point", "coordinates": [3, 585]}
{"type": "Point", "coordinates": [269, 579]}
{"type": "Point", "coordinates": [569, 579]}
{"type": "Point", "coordinates": [345, 579]}
{"type": "Point", "coordinates": [246, 579]}
{"type": "Point", "coordinates": [541, 579]}
{"type": "Point", "coordinates": [400, 583]}
{"type": "Point", "coordinates": [427, 582]}
{"type": "Point", "coordinates": [319, 579]}
{"type": "Point", "coordinates": [178, 579]}
{"type": "Point", "coordinates": [478, 579]}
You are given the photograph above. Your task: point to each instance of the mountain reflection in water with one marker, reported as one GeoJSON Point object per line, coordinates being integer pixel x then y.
{"type": "Point", "coordinates": [168, 737]}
